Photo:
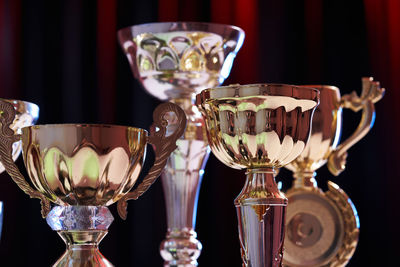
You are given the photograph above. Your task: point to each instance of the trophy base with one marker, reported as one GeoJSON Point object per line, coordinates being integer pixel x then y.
{"type": "Point", "coordinates": [86, 253]}
{"type": "Point", "coordinates": [322, 228]}
{"type": "Point", "coordinates": [82, 228]}
{"type": "Point", "coordinates": [180, 249]}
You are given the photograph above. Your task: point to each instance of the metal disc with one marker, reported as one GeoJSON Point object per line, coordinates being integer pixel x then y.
{"type": "Point", "coordinates": [314, 229]}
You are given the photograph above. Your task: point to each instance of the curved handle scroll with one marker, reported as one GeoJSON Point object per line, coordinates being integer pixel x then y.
{"type": "Point", "coordinates": [163, 146]}
{"type": "Point", "coordinates": [371, 93]}
{"type": "Point", "coordinates": [7, 138]}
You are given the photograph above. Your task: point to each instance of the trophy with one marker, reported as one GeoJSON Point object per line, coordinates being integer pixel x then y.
{"type": "Point", "coordinates": [26, 114]}
{"type": "Point", "coordinates": [259, 128]}
{"type": "Point", "coordinates": [322, 228]}
{"type": "Point", "coordinates": [174, 61]}
{"type": "Point", "coordinates": [82, 169]}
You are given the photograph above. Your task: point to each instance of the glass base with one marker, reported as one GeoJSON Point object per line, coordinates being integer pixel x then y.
{"type": "Point", "coordinates": [82, 228]}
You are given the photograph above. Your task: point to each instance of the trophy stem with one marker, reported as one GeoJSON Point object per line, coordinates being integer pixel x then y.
{"type": "Point", "coordinates": [305, 179]}
{"type": "Point", "coordinates": [82, 249]}
{"type": "Point", "coordinates": [82, 228]}
{"type": "Point", "coordinates": [261, 210]}
{"type": "Point", "coordinates": [181, 183]}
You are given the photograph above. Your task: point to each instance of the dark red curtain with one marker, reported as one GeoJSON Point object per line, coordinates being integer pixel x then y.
{"type": "Point", "coordinates": [64, 56]}
{"type": "Point", "coordinates": [383, 24]}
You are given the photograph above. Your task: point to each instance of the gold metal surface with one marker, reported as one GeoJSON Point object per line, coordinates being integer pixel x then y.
{"type": "Point", "coordinates": [174, 61]}
{"type": "Point", "coordinates": [163, 146]}
{"type": "Point", "coordinates": [7, 139]}
{"type": "Point", "coordinates": [322, 228]}
{"type": "Point", "coordinates": [322, 148]}
{"type": "Point", "coordinates": [259, 127]}
{"type": "Point", "coordinates": [179, 59]}
{"type": "Point", "coordinates": [83, 249]}
{"type": "Point", "coordinates": [92, 165]}
{"type": "Point", "coordinates": [26, 114]}
{"type": "Point", "coordinates": [87, 166]}
{"type": "Point", "coordinates": [82, 164]}
{"type": "Point", "coordinates": [327, 126]}
{"type": "Point", "coordinates": [371, 93]}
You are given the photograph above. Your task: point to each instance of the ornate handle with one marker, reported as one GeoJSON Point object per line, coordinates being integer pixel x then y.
{"type": "Point", "coordinates": [163, 146]}
{"type": "Point", "coordinates": [7, 138]}
{"type": "Point", "coordinates": [371, 93]}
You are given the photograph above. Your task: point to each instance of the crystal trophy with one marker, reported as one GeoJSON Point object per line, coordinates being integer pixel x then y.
{"type": "Point", "coordinates": [259, 128]}
{"type": "Point", "coordinates": [82, 169]}
{"type": "Point", "coordinates": [174, 61]}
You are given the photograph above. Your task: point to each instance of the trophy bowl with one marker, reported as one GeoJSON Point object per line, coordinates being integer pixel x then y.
{"type": "Point", "coordinates": [83, 164]}
{"type": "Point", "coordinates": [26, 114]}
{"type": "Point", "coordinates": [259, 127]}
{"type": "Point", "coordinates": [179, 59]}
{"type": "Point", "coordinates": [83, 168]}
{"type": "Point", "coordinates": [325, 134]}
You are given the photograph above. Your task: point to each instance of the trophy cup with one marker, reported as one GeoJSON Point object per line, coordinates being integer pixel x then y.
{"type": "Point", "coordinates": [174, 61]}
{"type": "Point", "coordinates": [83, 169]}
{"type": "Point", "coordinates": [322, 228]}
{"type": "Point", "coordinates": [26, 114]}
{"type": "Point", "coordinates": [259, 128]}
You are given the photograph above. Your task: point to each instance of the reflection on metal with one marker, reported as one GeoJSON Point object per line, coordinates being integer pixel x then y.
{"type": "Point", "coordinates": [323, 227]}
{"type": "Point", "coordinates": [259, 128]}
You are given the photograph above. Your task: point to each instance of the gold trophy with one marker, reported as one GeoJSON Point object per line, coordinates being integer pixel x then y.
{"type": "Point", "coordinates": [259, 128]}
{"type": "Point", "coordinates": [84, 168]}
{"type": "Point", "coordinates": [174, 61]}
{"type": "Point", "coordinates": [26, 114]}
{"type": "Point", "coordinates": [322, 228]}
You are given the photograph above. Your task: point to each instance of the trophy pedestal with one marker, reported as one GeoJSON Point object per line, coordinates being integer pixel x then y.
{"type": "Point", "coordinates": [325, 224]}
{"type": "Point", "coordinates": [261, 210]}
{"type": "Point", "coordinates": [82, 228]}
{"type": "Point", "coordinates": [180, 249]}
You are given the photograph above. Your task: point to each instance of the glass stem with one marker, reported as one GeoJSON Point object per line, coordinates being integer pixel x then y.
{"type": "Point", "coordinates": [181, 183]}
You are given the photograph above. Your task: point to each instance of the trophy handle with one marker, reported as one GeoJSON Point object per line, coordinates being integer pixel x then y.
{"type": "Point", "coordinates": [163, 146]}
{"type": "Point", "coordinates": [7, 138]}
{"type": "Point", "coordinates": [371, 93]}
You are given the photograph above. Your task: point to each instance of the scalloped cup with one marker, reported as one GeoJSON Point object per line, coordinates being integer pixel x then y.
{"type": "Point", "coordinates": [259, 125]}
{"type": "Point", "coordinates": [27, 114]}
{"type": "Point", "coordinates": [83, 164]}
{"type": "Point", "coordinates": [179, 59]}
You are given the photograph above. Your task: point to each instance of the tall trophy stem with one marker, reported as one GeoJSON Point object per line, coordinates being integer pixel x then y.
{"type": "Point", "coordinates": [181, 183]}
{"type": "Point", "coordinates": [82, 228]}
{"type": "Point", "coordinates": [261, 210]}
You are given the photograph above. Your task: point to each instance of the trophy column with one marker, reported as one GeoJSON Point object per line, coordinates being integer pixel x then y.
{"type": "Point", "coordinates": [181, 183]}
{"type": "Point", "coordinates": [261, 210]}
